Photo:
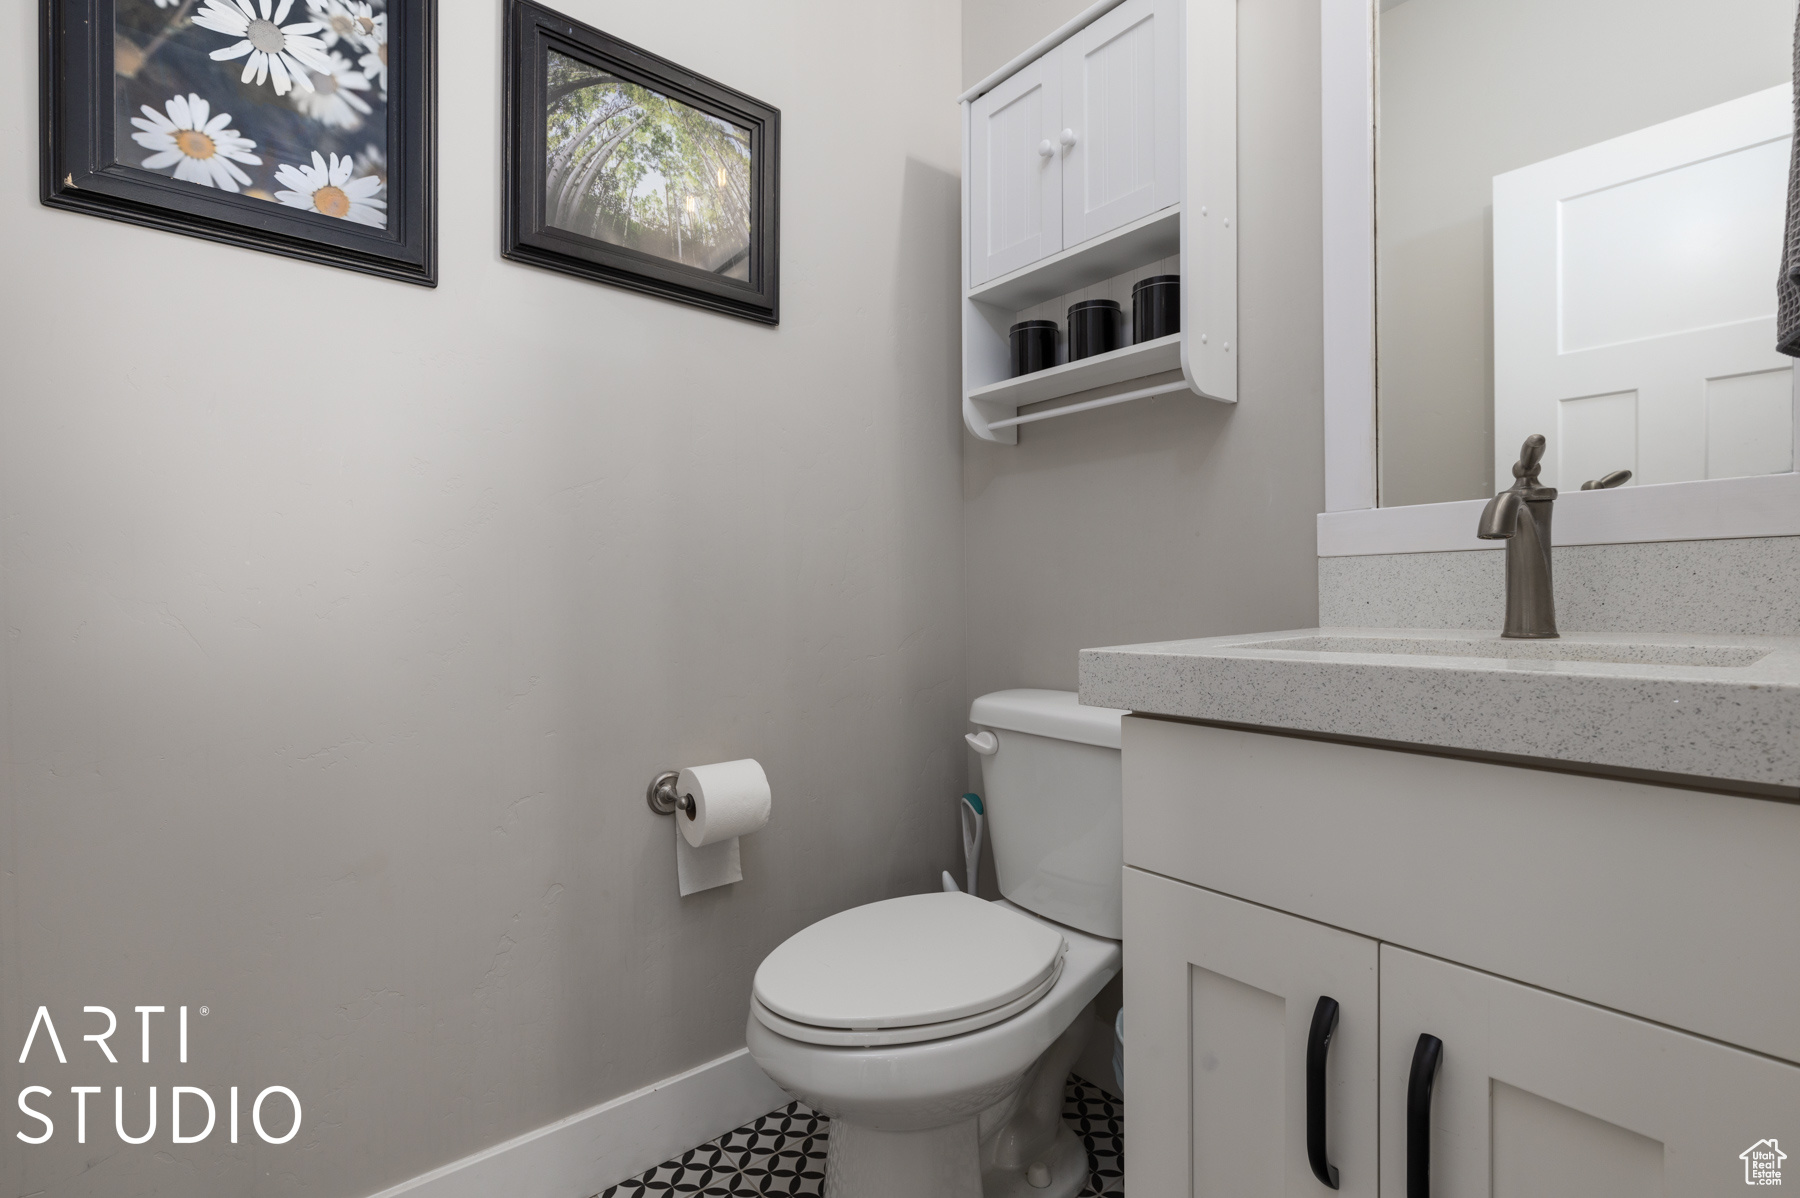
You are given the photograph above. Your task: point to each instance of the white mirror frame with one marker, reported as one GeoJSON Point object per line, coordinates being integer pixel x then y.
{"type": "Point", "coordinates": [1761, 506]}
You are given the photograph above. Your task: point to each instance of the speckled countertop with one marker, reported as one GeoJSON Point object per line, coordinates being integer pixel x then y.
{"type": "Point", "coordinates": [1701, 707]}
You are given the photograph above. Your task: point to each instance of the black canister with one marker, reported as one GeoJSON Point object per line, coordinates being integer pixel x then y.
{"type": "Point", "coordinates": [1033, 346]}
{"type": "Point", "coordinates": [1093, 327]}
{"type": "Point", "coordinates": [1155, 308]}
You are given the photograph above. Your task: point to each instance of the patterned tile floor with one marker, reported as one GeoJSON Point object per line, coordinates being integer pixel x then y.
{"type": "Point", "coordinates": [1098, 1120]}
{"type": "Point", "coordinates": [783, 1153]}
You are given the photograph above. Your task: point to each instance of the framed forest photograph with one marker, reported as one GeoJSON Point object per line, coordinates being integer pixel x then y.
{"type": "Point", "coordinates": [624, 168]}
{"type": "Point", "coordinates": [297, 127]}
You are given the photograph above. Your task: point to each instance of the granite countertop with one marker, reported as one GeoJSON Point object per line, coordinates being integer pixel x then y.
{"type": "Point", "coordinates": [1724, 708]}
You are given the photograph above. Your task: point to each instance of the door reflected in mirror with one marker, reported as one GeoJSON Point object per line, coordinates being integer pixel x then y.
{"type": "Point", "coordinates": [1580, 209]}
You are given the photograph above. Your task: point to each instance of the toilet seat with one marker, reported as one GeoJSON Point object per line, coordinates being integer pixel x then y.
{"type": "Point", "coordinates": [840, 1037]}
{"type": "Point", "coordinates": [906, 970]}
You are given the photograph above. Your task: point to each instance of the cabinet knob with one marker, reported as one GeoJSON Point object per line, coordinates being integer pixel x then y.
{"type": "Point", "coordinates": [1068, 138]}
{"type": "Point", "coordinates": [1045, 148]}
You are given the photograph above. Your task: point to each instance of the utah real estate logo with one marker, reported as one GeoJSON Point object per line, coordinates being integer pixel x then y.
{"type": "Point", "coordinates": [1762, 1163]}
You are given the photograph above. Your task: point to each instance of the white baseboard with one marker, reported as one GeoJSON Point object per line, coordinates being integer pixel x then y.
{"type": "Point", "coordinates": [603, 1145]}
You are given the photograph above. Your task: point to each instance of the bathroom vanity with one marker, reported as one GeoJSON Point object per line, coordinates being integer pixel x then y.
{"type": "Point", "coordinates": [1606, 955]}
{"type": "Point", "coordinates": [1432, 911]}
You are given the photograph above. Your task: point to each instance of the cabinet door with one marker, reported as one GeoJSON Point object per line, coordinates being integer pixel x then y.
{"type": "Point", "coordinates": [1220, 997]}
{"type": "Point", "coordinates": [1540, 1096]}
{"type": "Point", "coordinates": [1121, 119]}
{"type": "Point", "coordinates": [1015, 171]}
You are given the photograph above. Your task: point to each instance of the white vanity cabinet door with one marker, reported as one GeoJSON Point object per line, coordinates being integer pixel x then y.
{"type": "Point", "coordinates": [1015, 171]}
{"type": "Point", "coordinates": [1219, 1003]}
{"type": "Point", "coordinates": [1541, 1096]}
{"type": "Point", "coordinates": [1120, 133]}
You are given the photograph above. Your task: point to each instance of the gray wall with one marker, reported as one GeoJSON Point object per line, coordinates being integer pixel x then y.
{"type": "Point", "coordinates": [994, 31]}
{"type": "Point", "coordinates": [1170, 517]}
{"type": "Point", "coordinates": [330, 694]}
{"type": "Point", "coordinates": [329, 697]}
{"type": "Point", "coordinates": [1470, 89]}
{"type": "Point", "coordinates": [1166, 517]}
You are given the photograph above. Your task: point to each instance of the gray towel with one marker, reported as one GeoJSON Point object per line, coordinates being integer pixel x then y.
{"type": "Point", "coordinates": [1787, 283]}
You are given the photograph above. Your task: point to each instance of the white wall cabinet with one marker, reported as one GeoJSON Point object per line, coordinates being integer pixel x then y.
{"type": "Point", "coordinates": [1079, 142]}
{"type": "Point", "coordinates": [1076, 158]}
{"type": "Point", "coordinates": [1571, 943]}
{"type": "Point", "coordinates": [1121, 119]}
{"type": "Point", "coordinates": [1016, 169]}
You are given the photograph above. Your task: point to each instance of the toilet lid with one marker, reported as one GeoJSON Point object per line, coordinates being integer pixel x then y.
{"type": "Point", "coordinates": [844, 1037]}
{"type": "Point", "coordinates": [906, 962]}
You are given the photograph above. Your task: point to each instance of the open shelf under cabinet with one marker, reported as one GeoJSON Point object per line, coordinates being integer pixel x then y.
{"type": "Point", "coordinates": [1101, 370]}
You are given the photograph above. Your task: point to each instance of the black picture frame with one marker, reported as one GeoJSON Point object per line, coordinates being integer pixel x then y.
{"type": "Point", "coordinates": [532, 31]}
{"type": "Point", "coordinates": [80, 171]}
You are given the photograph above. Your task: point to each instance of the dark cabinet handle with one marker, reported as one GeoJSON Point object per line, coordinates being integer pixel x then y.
{"type": "Point", "coordinates": [1318, 1044]}
{"type": "Point", "coordinates": [1426, 1055]}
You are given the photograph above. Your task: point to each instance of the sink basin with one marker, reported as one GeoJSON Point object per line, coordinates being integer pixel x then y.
{"type": "Point", "coordinates": [1686, 708]}
{"type": "Point", "coordinates": [1624, 653]}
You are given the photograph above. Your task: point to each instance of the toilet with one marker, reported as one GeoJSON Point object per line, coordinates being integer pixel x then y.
{"type": "Point", "coordinates": [937, 1029]}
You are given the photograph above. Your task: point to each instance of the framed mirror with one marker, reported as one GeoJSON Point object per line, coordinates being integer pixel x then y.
{"type": "Point", "coordinates": [1562, 217]}
{"type": "Point", "coordinates": [1579, 215]}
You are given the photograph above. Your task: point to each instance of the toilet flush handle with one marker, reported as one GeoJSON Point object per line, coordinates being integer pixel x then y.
{"type": "Point", "coordinates": [983, 742]}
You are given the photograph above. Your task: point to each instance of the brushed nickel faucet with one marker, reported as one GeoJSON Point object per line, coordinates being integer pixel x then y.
{"type": "Point", "coordinates": [1520, 516]}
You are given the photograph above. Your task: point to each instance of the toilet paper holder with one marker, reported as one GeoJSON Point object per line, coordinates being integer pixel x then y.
{"type": "Point", "coordinates": [665, 799]}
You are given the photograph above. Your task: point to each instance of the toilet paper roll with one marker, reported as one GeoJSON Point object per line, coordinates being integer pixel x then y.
{"type": "Point", "coordinates": [730, 798]}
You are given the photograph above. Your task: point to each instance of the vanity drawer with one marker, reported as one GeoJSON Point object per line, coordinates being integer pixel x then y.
{"type": "Point", "coordinates": [1675, 905]}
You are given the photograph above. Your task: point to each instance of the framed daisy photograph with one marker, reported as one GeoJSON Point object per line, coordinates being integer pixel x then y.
{"type": "Point", "coordinates": [297, 127]}
{"type": "Point", "coordinates": [624, 168]}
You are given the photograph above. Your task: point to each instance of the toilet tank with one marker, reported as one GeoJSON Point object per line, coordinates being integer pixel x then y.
{"type": "Point", "coordinates": [1053, 794]}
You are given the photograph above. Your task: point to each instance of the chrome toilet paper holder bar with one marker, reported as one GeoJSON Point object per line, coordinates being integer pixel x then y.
{"type": "Point", "coordinates": [665, 798]}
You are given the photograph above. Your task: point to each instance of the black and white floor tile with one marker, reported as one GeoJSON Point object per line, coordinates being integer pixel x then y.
{"type": "Point", "coordinates": [1098, 1121]}
{"type": "Point", "coordinates": [783, 1153]}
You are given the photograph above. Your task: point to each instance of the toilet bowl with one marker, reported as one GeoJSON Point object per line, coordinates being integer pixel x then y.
{"type": "Point", "coordinates": [937, 1030]}
{"type": "Point", "coordinates": [932, 1116]}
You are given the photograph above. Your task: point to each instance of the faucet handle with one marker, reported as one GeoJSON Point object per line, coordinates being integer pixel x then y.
{"type": "Point", "coordinates": [1605, 482]}
{"type": "Point", "coordinates": [1531, 458]}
